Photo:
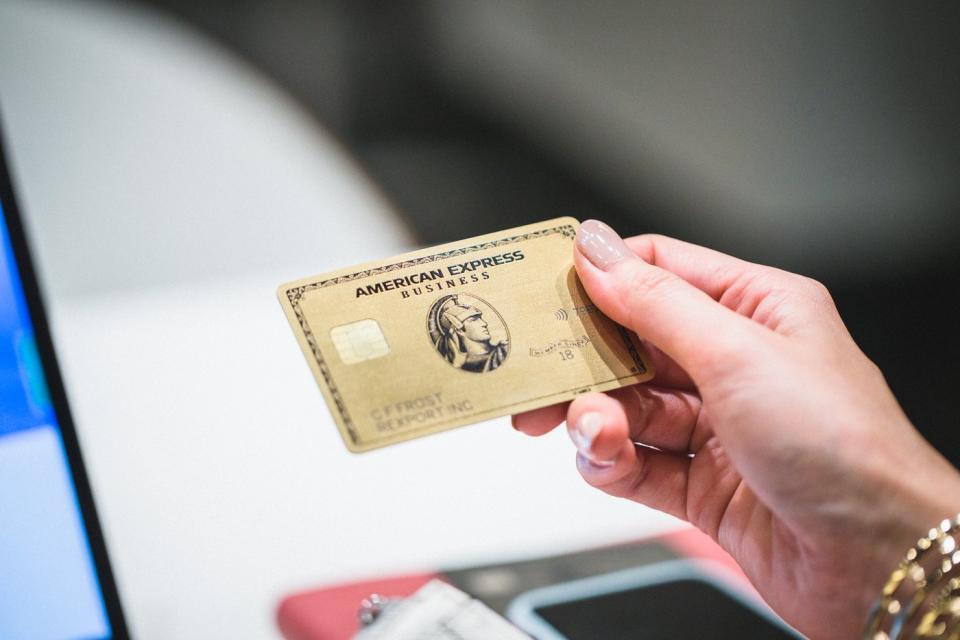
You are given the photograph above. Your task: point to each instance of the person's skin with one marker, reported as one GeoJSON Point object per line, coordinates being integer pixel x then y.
{"type": "Point", "coordinates": [804, 467]}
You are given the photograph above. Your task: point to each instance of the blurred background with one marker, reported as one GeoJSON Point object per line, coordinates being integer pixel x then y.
{"type": "Point", "coordinates": [179, 159]}
{"type": "Point", "coordinates": [818, 137]}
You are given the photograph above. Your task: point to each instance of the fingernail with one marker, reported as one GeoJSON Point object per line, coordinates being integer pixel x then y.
{"type": "Point", "coordinates": [585, 429]}
{"type": "Point", "coordinates": [586, 464]}
{"type": "Point", "coordinates": [601, 244]}
{"type": "Point", "coordinates": [583, 433]}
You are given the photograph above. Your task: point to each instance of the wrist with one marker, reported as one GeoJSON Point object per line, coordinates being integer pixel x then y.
{"type": "Point", "coordinates": [921, 597]}
{"type": "Point", "coordinates": [917, 516]}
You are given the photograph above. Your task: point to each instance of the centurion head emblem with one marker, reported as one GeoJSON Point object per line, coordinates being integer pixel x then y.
{"type": "Point", "coordinates": [468, 333]}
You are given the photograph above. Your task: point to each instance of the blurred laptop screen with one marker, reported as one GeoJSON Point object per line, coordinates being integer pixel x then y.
{"type": "Point", "coordinates": [48, 580]}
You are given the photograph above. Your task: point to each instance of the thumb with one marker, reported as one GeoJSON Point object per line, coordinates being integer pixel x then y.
{"type": "Point", "coordinates": [660, 306]}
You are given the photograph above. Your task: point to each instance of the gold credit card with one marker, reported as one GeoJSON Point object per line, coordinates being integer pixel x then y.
{"type": "Point", "coordinates": [455, 334]}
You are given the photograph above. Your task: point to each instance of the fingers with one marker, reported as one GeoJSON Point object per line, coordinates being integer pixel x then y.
{"type": "Point", "coordinates": [656, 479]}
{"type": "Point", "coordinates": [667, 419]}
{"type": "Point", "coordinates": [663, 418]}
{"type": "Point", "coordinates": [660, 306]}
{"type": "Point", "coordinates": [605, 429]}
{"type": "Point", "coordinates": [692, 488]}
{"type": "Point", "coordinates": [608, 459]}
{"type": "Point", "coordinates": [803, 305]}
{"type": "Point", "coordinates": [708, 270]}
{"type": "Point", "coordinates": [667, 373]}
{"type": "Point", "coordinates": [540, 421]}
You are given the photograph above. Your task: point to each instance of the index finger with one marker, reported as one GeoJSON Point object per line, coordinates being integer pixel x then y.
{"type": "Point", "coordinates": [738, 284]}
{"type": "Point", "coordinates": [710, 271]}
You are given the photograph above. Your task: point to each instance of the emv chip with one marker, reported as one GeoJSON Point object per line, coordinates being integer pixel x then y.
{"type": "Point", "coordinates": [359, 341]}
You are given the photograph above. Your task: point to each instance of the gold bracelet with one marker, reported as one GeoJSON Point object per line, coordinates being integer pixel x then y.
{"type": "Point", "coordinates": [944, 609]}
{"type": "Point", "coordinates": [921, 599]}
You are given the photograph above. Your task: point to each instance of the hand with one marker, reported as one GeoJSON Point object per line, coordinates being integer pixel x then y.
{"type": "Point", "coordinates": [765, 427]}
